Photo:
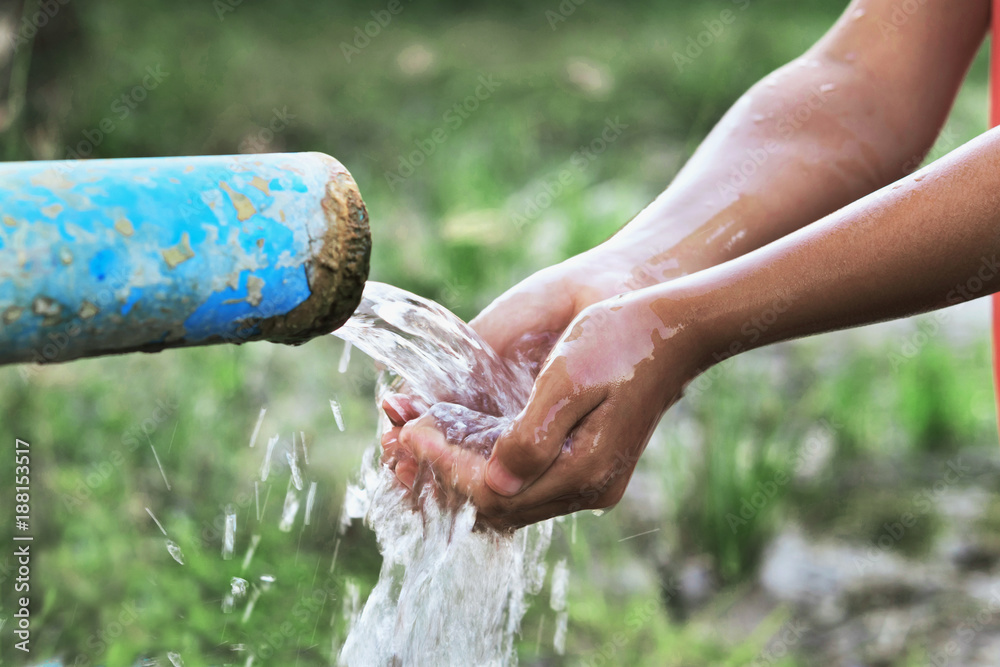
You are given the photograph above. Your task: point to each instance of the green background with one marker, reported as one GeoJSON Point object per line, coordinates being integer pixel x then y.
{"type": "Point", "coordinates": [892, 405]}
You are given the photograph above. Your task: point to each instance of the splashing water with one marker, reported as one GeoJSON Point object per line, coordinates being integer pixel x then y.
{"type": "Point", "coordinates": [345, 358]}
{"type": "Point", "coordinates": [237, 591]}
{"type": "Point", "coordinates": [337, 414]}
{"type": "Point", "coordinates": [265, 468]}
{"type": "Point", "coordinates": [447, 594]}
{"type": "Point", "coordinates": [289, 510]}
{"type": "Point", "coordinates": [175, 551]}
{"type": "Point", "coordinates": [229, 537]}
{"type": "Point", "coordinates": [256, 428]}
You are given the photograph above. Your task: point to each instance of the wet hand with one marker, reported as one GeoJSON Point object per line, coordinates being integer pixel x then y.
{"type": "Point", "coordinates": [546, 302]}
{"type": "Point", "coordinates": [592, 410]}
{"type": "Point", "coordinates": [521, 325]}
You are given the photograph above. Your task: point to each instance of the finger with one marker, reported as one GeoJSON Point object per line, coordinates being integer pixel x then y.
{"type": "Point", "coordinates": [526, 517]}
{"type": "Point", "coordinates": [538, 304]}
{"type": "Point", "coordinates": [577, 479]}
{"type": "Point", "coordinates": [527, 449]}
{"type": "Point", "coordinates": [406, 471]}
{"type": "Point", "coordinates": [390, 446]}
{"type": "Point", "coordinates": [456, 468]}
{"type": "Point", "coordinates": [400, 409]}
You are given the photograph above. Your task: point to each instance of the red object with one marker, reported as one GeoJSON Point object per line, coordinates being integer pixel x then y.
{"type": "Point", "coordinates": [994, 121]}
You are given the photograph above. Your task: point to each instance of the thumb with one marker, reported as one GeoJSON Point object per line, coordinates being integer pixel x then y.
{"type": "Point", "coordinates": [533, 441]}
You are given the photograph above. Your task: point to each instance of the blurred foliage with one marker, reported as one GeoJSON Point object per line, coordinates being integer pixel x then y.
{"type": "Point", "coordinates": [460, 229]}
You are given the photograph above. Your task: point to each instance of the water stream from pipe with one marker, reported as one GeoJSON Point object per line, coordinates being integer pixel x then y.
{"type": "Point", "coordinates": [447, 594]}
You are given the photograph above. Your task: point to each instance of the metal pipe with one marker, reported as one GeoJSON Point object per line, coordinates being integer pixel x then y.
{"type": "Point", "coordinates": [111, 256]}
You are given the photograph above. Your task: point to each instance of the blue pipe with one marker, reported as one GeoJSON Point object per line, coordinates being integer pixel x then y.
{"type": "Point", "coordinates": [110, 256]}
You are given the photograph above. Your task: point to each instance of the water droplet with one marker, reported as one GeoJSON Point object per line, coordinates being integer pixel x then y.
{"type": "Point", "coordinates": [310, 500]}
{"type": "Point", "coordinates": [251, 604]}
{"type": "Point", "coordinates": [265, 467]}
{"type": "Point", "coordinates": [858, 13]}
{"type": "Point", "coordinates": [335, 406]}
{"type": "Point", "coordinates": [759, 118]}
{"type": "Point", "coordinates": [289, 511]}
{"type": "Point", "coordinates": [293, 465]}
{"type": "Point", "coordinates": [345, 357]}
{"type": "Point", "coordinates": [254, 541]}
{"type": "Point", "coordinates": [158, 524]}
{"type": "Point", "coordinates": [560, 586]}
{"type": "Point", "coordinates": [256, 428]}
{"type": "Point", "coordinates": [238, 587]}
{"type": "Point", "coordinates": [918, 178]}
{"type": "Point", "coordinates": [827, 87]}
{"type": "Point", "coordinates": [302, 443]}
{"type": "Point", "coordinates": [229, 537]}
{"type": "Point", "coordinates": [597, 512]}
{"type": "Point", "coordinates": [175, 659]}
{"type": "Point", "coordinates": [352, 600]}
{"type": "Point", "coordinates": [175, 551]}
{"type": "Point", "coordinates": [559, 638]}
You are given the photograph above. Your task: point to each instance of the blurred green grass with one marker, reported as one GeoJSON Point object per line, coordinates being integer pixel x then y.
{"type": "Point", "coordinates": [449, 232]}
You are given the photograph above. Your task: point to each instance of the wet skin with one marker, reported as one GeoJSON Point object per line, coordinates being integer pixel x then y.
{"type": "Point", "coordinates": [822, 220]}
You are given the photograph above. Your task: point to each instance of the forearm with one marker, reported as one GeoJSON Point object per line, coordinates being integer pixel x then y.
{"type": "Point", "coordinates": [930, 240]}
{"type": "Point", "coordinates": [785, 155]}
{"type": "Point", "coordinates": [853, 114]}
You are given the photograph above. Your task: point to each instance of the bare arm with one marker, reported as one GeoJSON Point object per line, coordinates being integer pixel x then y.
{"type": "Point", "coordinates": [857, 111]}
{"type": "Point", "coordinates": [929, 241]}
{"type": "Point", "coordinates": [852, 115]}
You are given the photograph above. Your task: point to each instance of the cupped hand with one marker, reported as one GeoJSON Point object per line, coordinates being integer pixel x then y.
{"type": "Point", "coordinates": [521, 325]}
{"type": "Point", "coordinates": [594, 405]}
{"type": "Point", "coordinates": [544, 303]}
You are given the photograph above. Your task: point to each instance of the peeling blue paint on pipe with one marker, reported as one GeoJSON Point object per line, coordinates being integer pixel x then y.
{"type": "Point", "coordinates": [106, 256]}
